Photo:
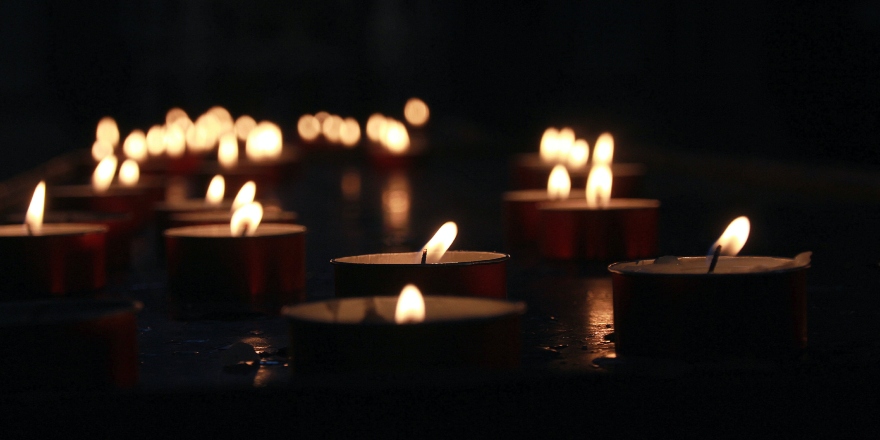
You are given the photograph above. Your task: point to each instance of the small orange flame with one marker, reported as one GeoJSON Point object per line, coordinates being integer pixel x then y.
{"type": "Point", "coordinates": [416, 112]}
{"type": "Point", "coordinates": [410, 306]}
{"type": "Point", "coordinates": [440, 242]}
{"type": "Point", "coordinates": [308, 127]}
{"type": "Point", "coordinates": [129, 173]}
{"type": "Point", "coordinates": [176, 116]}
{"type": "Point", "coordinates": [246, 219]}
{"type": "Point", "coordinates": [216, 190]}
{"type": "Point", "coordinates": [733, 239]}
{"type": "Point", "coordinates": [243, 126]}
{"type": "Point", "coordinates": [376, 125]}
{"type": "Point", "coordinates": [603, 151]}
{"type": "Point", "coordinates": [135, 145]}
{"type": "Point", "coordinates": [175, 140]}
{"type": "Point", "coordinates": [227, 152]}
{"type": "Point", "coordinates": [579, 154]}
{"type": "Point", "coordinates": [156, 140]}
{"type": "Point", "coordinates": [330, 128]}
{"type": "Point", "coordinates": [264, 142]}
{"type": "Point", "coordinates": [599, 186]}
{"type": "Point", "coordinates": [107, 131]}
{"type": "Point", "coordinates": [564, 141]}
{"type": "Point", "coordinates": [349, 132]}
{"type": "Point", "coordinates": [224, 122]}
{"type": "Point", "coordinates": [395, 138]}
{"type": "Point", "coordinates": [103, 175]}
{"type": "Point", "coordinates": [33, 219]}
{"type": "Point", "coordinates": [549, 149]}
{"type": "Point", "coordinates": [559, 183]}
{"type": "Point", "coordinates": [101, 149]}
{"type": "Point", "coordinates": [245, 195]}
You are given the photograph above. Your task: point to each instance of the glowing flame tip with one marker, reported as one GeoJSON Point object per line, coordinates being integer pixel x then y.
{"type": "Point", "coordinates": [410, 306]}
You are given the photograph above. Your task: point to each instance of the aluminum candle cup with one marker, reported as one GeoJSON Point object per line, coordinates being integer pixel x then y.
{"type": "Point", "coordinates": [463, 273]}
{"type": "Point", "coordinates": [625, 229]}
{"type": "Point", "coordinates": [750, 307]}
{"type": "Point", "coordinates": [359, 335]}
{"type": "Point", "coordinates": [530, 172]}
{"type": "Point", "coordinates": [521, 216]}
{"type": "Point", "coordinates": [68, 344]}
{"type": "Point", "coordinates": [211, 271]}
{"type": "Point", "coordinates": [63, 259]}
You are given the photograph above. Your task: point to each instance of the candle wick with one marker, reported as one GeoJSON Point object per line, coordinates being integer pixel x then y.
{"type": "Point", "coordinates": [424, 256]}
{"type": "Point", "coordinates": [715, 258]}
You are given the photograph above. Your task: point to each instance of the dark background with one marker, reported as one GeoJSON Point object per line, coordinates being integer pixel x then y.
{"type": "Point", "coordinates": [786, 80]}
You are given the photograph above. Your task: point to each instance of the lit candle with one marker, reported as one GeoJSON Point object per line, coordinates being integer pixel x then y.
{"type": "Point", "coordinates": [597, 227]}
{"type": "Point", "coordinates": [213, 201]}
{"type": "Point", "coordinates": [436, 270]}
{"type": "Point", "coordinates": [243, 265]}
{"type": "Point", "coordinates": [381, 334]}
{"type": "Point", "coordinates": [41, 260]}
{"type": "Point", "coordinates": [521, 216]}
{"type": "Point", "coordinates": [717, 307]}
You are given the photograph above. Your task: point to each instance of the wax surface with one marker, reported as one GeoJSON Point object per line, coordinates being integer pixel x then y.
{"type": "Point", "coordinates": [222, 231]}
{"type": "Point", "coordinates": [613, 204]}
{"type": "Point", "coordinates": [219, 216]}
{"type": "Point", "coordinates": [414, 258]}
{"type": "Point", "coordinates": [381, 310]}
{"type": "Point", "coordinates": [538, 195]}
{"type": "Point", "coordinates": [699, 265]}
{"type": "Point", "coordinates": [50, 229]}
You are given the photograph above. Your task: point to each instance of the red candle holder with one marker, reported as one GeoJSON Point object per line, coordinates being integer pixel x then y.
{"type": "Point", "coordinates": [210, 271]}
{"type": "Point", "coordinates": [711, 316]}
{"type": "Point", "coordinates": [358, 335]}
{"type": "Point", "coordinates": [135, 201]}
{"type": "Point", "coordinates": [522, 220]}
{"type": "Point", "coordinates": [464, 273]}
{"type": "Point", "coordinates": [530, 172]}
{"type": "Point", "coordinates": [61, 260]}
{"type": "Point", "coordinates": [623, 230]}
{"type": "Point", "coordinates": [71, 344]}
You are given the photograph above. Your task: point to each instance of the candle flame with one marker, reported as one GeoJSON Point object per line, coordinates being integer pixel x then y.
{"type": "Point", "coordinates": [101, 149]}
{"type": "Point", "coordinates": [216, 190]}
{"type": "Point", "coordinates": [227, 153]}
{"type": "Point", "coordinates": [177, 116]}
{"type": "Point", "coordinates": [330, 128]}
{"type": "Point", "coordinates": [129, 173]}
{"type": "Point", "coordinates": [395, 138]}
{"type": "Point", "coordinates": [246, 219]}
{"type": "Point", "coordinates": [733, 239]}
{"type": "Point", "coordinates": [549, 145]}
{"type": "Point", "coordinates": [175, 140]}
{"type": "Point", "coordinates": [578, 154]}
{"type": "Point", "coordinates": [440, 242]}
{"type": "Point", "coordinates": [416, 112]}
{"type": "Point", "coordinates": [222, 119]}
{"type": "Point", "coordinates": [559, 183]}
{"type": "Point", "coordinates": [410, 306]}
{"type": "Point", "coordinates": [264, 142]}
{"type": "Point", "coordinates": [103, 175]}
{"type": "Point", "coordinates": [156, 140]}
{"type": "Point", "coordinates": [308, 127]}
{"type": "Point", "coordinates": [376, 125]}
{"type": "Point", "coordinates": [245, 195]}
{"type": "Point", "coordinates": [599, 186]}
{"type": "Point", "coordinates": [33, 219]}
{"type": "Point", "coordinates": [243, 126]}
{"type": "Point", "coordinates": [349, 132]}
{"type": "Point", "coordinates": [603, 151]}
{"type": "Point", "coordinates": [135, 145]}
{"type": "Point", "coordinates": [107, 131]}
{"type": "Point", "coordinates": [564, 141]}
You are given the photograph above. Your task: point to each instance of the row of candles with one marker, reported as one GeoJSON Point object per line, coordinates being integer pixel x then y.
{"type": "Point", "coordinates": [256, 264]}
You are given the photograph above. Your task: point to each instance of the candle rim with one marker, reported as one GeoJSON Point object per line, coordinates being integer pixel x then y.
{"type": "Point", "coordinates": [411, 256]}
{"type": "Point", "coordinates": [297, 312]}
{"type": "Point", "coordinates": [52, 230]}
{"type": "Point", "coordinates": [615, 268]}
{"type": "Point", "coordinates": [185, 232]}
{"type": "Point", "coordinates": [66, 311]}
{"type": "Point", "coordinates": [538, 195]}
{"type": "Point", "coordinates": [270, 215]}
{"type": "Point", "coordinates": [614, 204]}
{"type": "Point", "coordinates": [193, 203]}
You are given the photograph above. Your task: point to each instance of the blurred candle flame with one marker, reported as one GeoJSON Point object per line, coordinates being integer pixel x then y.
{"type": "Point", "coordinates": [599, 186]}
{"type": "Point", "coordinates": [549, 149]}
{"type": "Point", "coordinates": [559, 183]}
{"type": "Point", "coordinates": [579, 154]}
{"type": "Point", "coordinates": [245, 195]}
{"type": "Point", "coordinates": [135, 145]}
{"type": "Point", "coordinates": [330, 128]}
{"type": "Point", "coordinates": [101, 149]}
{"type": "Point", "coordinates": [243, 126]}
{"type": "Point", "coordinates": [603, 151]}
{"type": "Point", "coordinates": [129, 173]}
{"type": "Point", "coordinates": [227, 152]}
{"type": "Point", "coordinates": [33, 219]}
{"type": "Point", "coordinates": [308, 127]}
{"type": "Point", "coordinates": [177, 116]}
{"type": "Point", "coordinates": [440, 242]}
{"type": "Point", "coordinates": [395, 138]}
{"type": "Point", "coordinates": [156, 140]}
{"type": "Point", "coordinates": [246, 219]}
{"type": "Point", "coordinates": [376, 125]}
{"type": "Point", "coordinates": [410, 306]}
{"type": "Point", "coordinates": [416, 112]}
{"type": "Point", "coordinates": [103, 175]}
{"type": "Point", "coordinates": [733, 239]}
{"type": "Point", "coordinates": [107, 131]}
{"type": "Point", "coordinates": [349, 132]}
{"type": "Point", "coordinates": [175, 140]}
{"type": "Point", "coordinates": [216, 190]}
{"type": "Point", "coordinates": [264, 142]}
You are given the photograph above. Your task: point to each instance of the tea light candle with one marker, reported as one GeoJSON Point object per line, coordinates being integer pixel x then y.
{"type": "Point", "coordinates": [219, 268]}
{"type": "Point", "coordinates": [747, 307]}
{"type": "Point", "coordinates": [39, 259]}
{"type": "Point", "coordinates": [597, 227]}
{"type": "Point", "coordinates": [78, 343]}
{"type": "Point", "coordinates": [381, 334]}
{"type": "Point", "coordinates": [466, 273]}
{"type": "Point", "coordinates": [212, 201]}
{"type": "Point", "coordinates": [521, 216]}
